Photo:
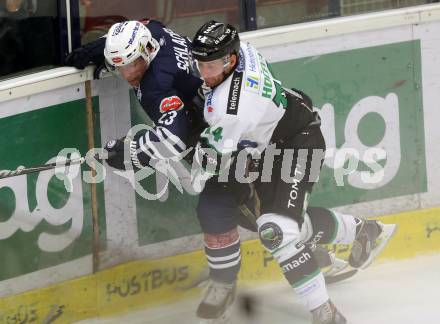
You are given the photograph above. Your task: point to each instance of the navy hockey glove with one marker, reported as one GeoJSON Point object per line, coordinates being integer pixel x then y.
{"type": "Point", "coordinates": [92, 52]}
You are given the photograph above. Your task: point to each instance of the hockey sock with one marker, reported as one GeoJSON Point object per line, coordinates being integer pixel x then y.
{"type": "Point", "coordinates": [223, 254]}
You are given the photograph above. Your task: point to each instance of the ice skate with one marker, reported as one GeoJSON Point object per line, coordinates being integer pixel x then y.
{"type": "Point", "coordinates": [327, 313]}
{"type": "Point", "coordinates": [216, 304]}
{"type": "Point", "coordinates": [329, 263]}
{"type": "Point", "coordinates": [333, 268]}
{"type": "Point", "coordinates": [369, 242]}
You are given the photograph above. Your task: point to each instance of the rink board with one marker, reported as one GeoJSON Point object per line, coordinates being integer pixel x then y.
{"type": "Point", "coordinates": [393, 106]}
{"type": "Point", "coordinates": [147, 283]}
{"type": "Point", "coordinates": [386, 98]}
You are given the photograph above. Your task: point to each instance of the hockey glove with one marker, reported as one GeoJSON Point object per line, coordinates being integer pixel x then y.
{"type": "Point", "coordinates": [100, 71]}
{"type": "Point", "coordinates": [146, 149]}
{"type": "Point", "coordinates": [115, 149]}
{"type": "Point", "coordinates": [92, 52]}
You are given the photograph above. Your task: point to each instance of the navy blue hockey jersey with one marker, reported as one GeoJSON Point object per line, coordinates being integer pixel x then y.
{"type": "Point", "coordinates": [168, 85]}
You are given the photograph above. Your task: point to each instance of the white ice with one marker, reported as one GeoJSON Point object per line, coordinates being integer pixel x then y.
{"type": "Point", "coordinates": [398, 292]}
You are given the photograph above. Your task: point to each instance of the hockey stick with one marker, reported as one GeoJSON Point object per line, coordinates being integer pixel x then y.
{"type": "Point", "coordinates": [23, 170]}
{"type": "Point", "coordinates": [340, 276]}
{"type": "Point", "coordinates": [58, 164]}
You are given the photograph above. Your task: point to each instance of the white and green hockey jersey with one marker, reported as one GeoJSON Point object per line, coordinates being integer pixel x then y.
{"type": "Point", "coordinates": [244, 109]}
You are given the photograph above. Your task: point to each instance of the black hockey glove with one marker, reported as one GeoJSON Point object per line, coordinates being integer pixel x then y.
{"type": "Point", "coordinates": [100, 70]}
{"type": "Point", "coordinates": [158, 145]}
{"type": "Point", "coordinates": [92, 52]}
{"type": "Point", "coordinates": [137, 157]}
{"type": "Point", "coordinates": [115, 149]}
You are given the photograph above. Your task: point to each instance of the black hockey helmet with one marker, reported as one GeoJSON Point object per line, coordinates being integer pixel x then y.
{"type": "Point", "coordinates": [214, 40]}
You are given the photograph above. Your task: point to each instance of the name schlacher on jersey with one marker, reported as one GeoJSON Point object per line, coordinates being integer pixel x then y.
{"type": "Point", "coordinates": [180, 50]}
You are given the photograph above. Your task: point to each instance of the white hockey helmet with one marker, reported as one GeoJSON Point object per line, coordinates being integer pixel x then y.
{"type": "Point", "coordinates": [128, 41]}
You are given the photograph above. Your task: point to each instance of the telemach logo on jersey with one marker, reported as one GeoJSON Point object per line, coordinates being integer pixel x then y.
{"type": "Point", "coordinates": [234, 93]}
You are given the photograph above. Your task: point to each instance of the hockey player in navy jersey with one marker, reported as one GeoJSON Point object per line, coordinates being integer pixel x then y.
{"type": "Point", "coordinates": [247, 108]}
{"type": "Point", "coordinates": [156, 62]}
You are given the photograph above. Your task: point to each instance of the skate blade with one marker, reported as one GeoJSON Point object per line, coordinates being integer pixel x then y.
{"type": "Point", "coordinates": [337, 266]}
{"type": "Point", "coordinates": [224, 319]}
{"type": "Point", "coordinates": [388, 231]}
{"type": "Point", "coordinates": [340, 276]}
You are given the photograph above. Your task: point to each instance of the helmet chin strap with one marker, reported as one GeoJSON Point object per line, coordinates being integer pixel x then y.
{"type": "Point", "coordinates": [149, 56]}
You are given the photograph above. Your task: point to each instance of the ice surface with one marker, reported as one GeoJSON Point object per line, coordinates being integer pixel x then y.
{"type": "Point", "coordinates": [399, 292]}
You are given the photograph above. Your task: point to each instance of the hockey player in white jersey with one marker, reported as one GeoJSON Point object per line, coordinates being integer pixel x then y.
{"type": "Point", "coordinates": [248, 109]}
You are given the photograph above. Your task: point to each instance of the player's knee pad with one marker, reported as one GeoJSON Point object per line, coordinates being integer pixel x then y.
{"type": "Point", "coordinates": [280, 235]}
